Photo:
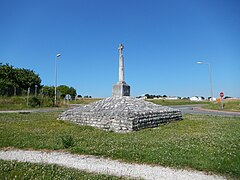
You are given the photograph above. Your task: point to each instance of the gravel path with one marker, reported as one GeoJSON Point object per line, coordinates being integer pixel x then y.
{"type": "Point", "coordinates": [104, 166]}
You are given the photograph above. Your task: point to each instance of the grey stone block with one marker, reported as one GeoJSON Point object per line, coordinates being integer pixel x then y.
{"type": "Point", "coordinates": [120, 90]}
{"type": "Point", "coordinates": [121, 114]}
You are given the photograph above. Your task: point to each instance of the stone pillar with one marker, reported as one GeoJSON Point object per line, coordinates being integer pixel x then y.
{"type": "Point", "coordinates": [121, 64]}
{"type": "Point", "coordinates": [121, 88]}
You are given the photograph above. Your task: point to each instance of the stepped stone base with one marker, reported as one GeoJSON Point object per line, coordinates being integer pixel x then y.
{"type": "Point", "coordinates": [121, 114]}
{"type": "Point", "coordinates": [120, 90]}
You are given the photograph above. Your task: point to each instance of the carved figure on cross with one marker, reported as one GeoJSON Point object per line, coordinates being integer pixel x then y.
{"type": "Point", "coordinates": [120, 49]}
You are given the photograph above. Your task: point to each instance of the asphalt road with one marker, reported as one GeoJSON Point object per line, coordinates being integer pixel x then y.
{"type": "Point", "coordinates": [185, 109]}
{"type": "Point", "coordinates": [196, 109]}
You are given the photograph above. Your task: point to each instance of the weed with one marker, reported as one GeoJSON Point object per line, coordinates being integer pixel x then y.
{"type": "Point", "coordinates": [34, 102]}
{"type": "Point", "coordinates": [67, 141]}
{"type": "Point", "coordinates": [229, 105]}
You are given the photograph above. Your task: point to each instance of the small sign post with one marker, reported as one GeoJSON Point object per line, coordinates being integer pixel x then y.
{"type": "Point", "coordinates": [222, 101]}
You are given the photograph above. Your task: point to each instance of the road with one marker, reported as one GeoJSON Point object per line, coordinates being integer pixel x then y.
{"type": "Point", "coordinates": [196, 109]}
{"type": "Point", "coordinates": [185, 109]}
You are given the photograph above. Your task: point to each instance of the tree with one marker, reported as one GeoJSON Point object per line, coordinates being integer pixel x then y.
{"type": "Point", "coordinates": [27, 78]}
{"type": "Point", "coordinates": [7, 79]}
{"type": "Point", "coordinates": [72, 92]}
{"type": "Point", "coordinates": [49, 91]}
{"type": "Point", "coordinates": [64, 90]}
{"type": "Point", "coordinates": [15, 78]}
{"type": "Point", "coordinates": [147, 96]}
{"type": "Point", "coordinates": [227, 97]}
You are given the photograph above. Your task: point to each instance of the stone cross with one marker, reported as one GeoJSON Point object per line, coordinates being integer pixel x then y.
{"type": "Point", "coordinates": [121, 88]}
{"type": "Point", "coordinates": [120, 49]}
{"type": "Point", "coordinates": [121, 64]}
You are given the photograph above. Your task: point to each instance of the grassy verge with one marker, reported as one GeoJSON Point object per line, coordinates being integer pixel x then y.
{"type": "Point", "coordinates": [20, 102]}
{"type": "Point", "coordinates": [9, 103]}
{"type": "Point", "coordinates": [229, 105]}
{"type": "Point", "coordinates": [200, 142]}
{"type": "Point", "coordinates": [164, 102]}
{"type": "Point", "coordinates": [85, 100]}
{"type": "Point", "coordinates": [20, 170]}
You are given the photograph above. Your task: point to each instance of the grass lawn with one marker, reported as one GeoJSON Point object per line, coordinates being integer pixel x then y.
{"type": "Point", "coordinates": [12, 103]}
{"type": "Point", "coordinates": [229, 105]}
{"type": "Point", "coordinates": [199, 142]}
{"type": "Point", "coordinates": [85, 100]}
{"type": "Point", "coordinates": [164, 102]}
{"type": "Point", "coordinates": [20, 102]}
{"type": "Point", "coordinates": [20, 170]}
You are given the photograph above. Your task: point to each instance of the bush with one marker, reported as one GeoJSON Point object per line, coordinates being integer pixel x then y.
{"type": "Point", "coordinates": [47, 101]}
{"type": "Point", "coordinates": [34, 102]}
{"type": "Point", "coordinates": [67, 141]}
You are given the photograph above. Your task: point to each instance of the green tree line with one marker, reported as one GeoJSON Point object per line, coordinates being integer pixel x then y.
{"type": "Point", "coordinates": [62, 91]}
{"type": "Point", "coordinates": [16, 81]}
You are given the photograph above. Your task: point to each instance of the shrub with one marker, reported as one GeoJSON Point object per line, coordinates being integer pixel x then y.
{"type": "Point", "coordinates": [67, 141]}
{"type": "Point", "coordinates": [34, 102]}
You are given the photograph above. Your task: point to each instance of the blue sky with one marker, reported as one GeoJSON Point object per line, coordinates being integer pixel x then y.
{"type": "Point", "coordinates": [163, 40]}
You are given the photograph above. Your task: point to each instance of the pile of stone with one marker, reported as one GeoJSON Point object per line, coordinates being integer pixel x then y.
{"type": "Point", "coordinates": [121, 114]}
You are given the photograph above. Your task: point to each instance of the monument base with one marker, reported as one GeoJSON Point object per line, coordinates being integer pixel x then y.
{"type": "Point", "coordinates": [120, 90]}
{"type": "Point", "coordinates": [121, 114]}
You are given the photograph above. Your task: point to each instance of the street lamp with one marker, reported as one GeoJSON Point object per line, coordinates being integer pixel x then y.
{"type": "Point", "coordinates": [210, 77]}
{"type": "Point", "coordinates": [55, 84]}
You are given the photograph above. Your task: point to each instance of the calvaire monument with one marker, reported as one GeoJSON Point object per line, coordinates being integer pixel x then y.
{"type": "Point", "coordinates": [121, 88]}
{"type": "Point", "coordinates": [121, 113]}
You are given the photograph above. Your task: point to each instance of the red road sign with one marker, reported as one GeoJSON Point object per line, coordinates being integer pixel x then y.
{"type": "Point", "coordinates": [221, 94]}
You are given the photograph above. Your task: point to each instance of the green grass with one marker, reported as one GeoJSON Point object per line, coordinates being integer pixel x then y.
{"type": "Point", "coordinates": [229, 105]}
{"type": "Point", "coordinates": [20, 170]}
{"type": "Point", "coordinates": [85, 100]}
{"type": "Point", "coordinates": [15, 102]}
{"type": "Point", "coordinates": [199, 142]}
{"type": "Point", "coordinates": [20, 102]}
{"type": "Point", "coordinates": [164, 102]}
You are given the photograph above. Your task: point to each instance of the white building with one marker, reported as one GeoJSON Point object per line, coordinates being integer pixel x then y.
{"type": "Point", "coordinates": [196, 98]}
{"type": "Point", "coordinates": [213, 99]}
{"type": "Point", "coordinates": [171, 98]}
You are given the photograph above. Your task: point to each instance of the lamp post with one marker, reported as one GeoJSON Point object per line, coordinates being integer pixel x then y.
{"type": "Point", "coordinates": [210, 77]}
{"type": "Point", "coordinates": [55, 84]}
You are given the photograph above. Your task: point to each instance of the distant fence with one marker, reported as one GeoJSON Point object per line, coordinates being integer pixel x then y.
{"type": "Point", "coordinates": [15, 91]}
